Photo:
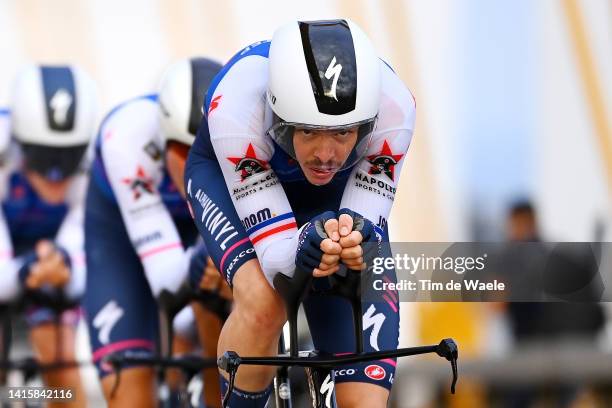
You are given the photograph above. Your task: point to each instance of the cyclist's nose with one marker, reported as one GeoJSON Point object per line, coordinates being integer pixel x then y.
{"type": "Point", "coordinates": [325, 149]}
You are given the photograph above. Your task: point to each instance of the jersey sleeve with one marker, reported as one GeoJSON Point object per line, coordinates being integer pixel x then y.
{"type": "Point", "coordinates": [134, 176]}
{"type": "Point", "coordinates": [236, 125]}
{"type": "Point", "coordinates": [9, 282]}
{"type": "Point", "coordinates": [71, 235]}
{"type": "Point", "coordinates": [371, 188]}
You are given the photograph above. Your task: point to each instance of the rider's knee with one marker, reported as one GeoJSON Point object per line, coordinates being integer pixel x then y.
{"type": "Point", "coordinates": [260, 303]}
{"type": "Point", "coordinates": [60, 347]}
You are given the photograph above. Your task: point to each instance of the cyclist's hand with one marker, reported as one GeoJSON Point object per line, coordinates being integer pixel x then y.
{"type": "Point", "coordinates": [51, 267]}
{"type": "Point", "coordinates": [213, 282]}
{"type": "Point", "coordinates": [354, 231]}
{"type": "Point", "coordinates": [317, 252]}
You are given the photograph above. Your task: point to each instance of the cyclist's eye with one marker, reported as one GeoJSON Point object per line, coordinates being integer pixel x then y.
{"type": "Point", "coordinates": [306, 132]}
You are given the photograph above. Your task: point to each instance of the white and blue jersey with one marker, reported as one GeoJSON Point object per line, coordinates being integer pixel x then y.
{"type": "Point", "coordinates": [249, 197]}
{"type": "Point", "coordinates": [269, 191]}
{"type": "Point", "coordinates": [129, 170]}
{"type": "Point", "coordinates": [25, 219]}
{"type": "Point", "coordinates": [138, 232]}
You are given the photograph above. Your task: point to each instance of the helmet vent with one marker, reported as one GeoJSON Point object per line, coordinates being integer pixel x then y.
{"type": "Point", "coordinates": [60, 97]}
{"type": "Point", "coordinates": [330, 58]}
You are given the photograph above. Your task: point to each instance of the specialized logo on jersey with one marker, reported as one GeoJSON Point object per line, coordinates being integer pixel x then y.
{"type": "Point", "coordinates": [370, 319]}
{"type": "Point", "coordinates": [139, 184]}
{"type": "Point", "coordinates": [214, 103]}
{"type": "Point", "coordinates": [333, 69]}
{"type": "Point", "coordinates": [60, 103]}
{"type": "Point", "coordinates": [106, 319]}
{"type": "Point", "coordinates": [327, 389]}
{"type": "Point", "coordinates": [384, 162]}
{"type": "Point", "coordinates": [375, 372]}
{"type": "Point", "coordinates": [249, 164]}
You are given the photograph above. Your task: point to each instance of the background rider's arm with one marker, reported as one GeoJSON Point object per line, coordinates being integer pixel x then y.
{"type": "Point", "coordinates": [71, 236]}
{"type": "Point", "coordinates": [134, 177]}
{"type": "Point", "coordinates": [9, 267]}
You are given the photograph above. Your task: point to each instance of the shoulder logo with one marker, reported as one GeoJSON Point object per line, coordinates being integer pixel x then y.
{"type": "Point", "coordinates": [139, 184]}
{"type": "Point", "coordinates": [214, 103]}
{"type": "Point", "coordinates": [384, 162]}
{"type": "Point", "coordinates": [333, 70]}
{"type": "Point", "coordinates": [60, 103]}
{"type": "Point", "coordinates": [249, 164]}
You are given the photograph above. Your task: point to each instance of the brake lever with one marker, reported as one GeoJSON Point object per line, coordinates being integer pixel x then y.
{"type": "Point", "coordinates": [229, 362]}
{"type": "Point", "coordinates": [448, 349]}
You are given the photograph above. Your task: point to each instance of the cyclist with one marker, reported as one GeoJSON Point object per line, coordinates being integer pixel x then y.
{"type": "Point", "coordinates": [138, 232]}
{"type": "Point", "coordinates": [43, 179]}
{"type": "Point", "coordinates": [308, 128]}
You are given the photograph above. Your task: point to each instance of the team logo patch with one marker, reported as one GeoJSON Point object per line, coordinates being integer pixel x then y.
{"type": "Point", "coordinates": [139, 184]}
{"type": "Point", "coordinates": [375, 372]}
{"type": "Point", "coordinates": [384, 162]}
{"type": "Point", "coordinates": [249, 164]}
{"type": "Point", "coordinates": [214, 103]}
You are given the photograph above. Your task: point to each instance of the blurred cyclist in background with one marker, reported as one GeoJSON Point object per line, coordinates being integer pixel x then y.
{"type": "Point", "coordinates": [139, 234]}
{"type": "Point", "coordinates": [42, 187]}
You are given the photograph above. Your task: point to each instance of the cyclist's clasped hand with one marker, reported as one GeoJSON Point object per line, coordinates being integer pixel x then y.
{"type": "Point", "coordinates": [330, 239]}
{"type": "Point", "coordinates": [50, 268]}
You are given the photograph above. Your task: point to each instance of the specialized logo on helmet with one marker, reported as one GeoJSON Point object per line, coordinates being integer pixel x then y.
{"type": "Point", "coordinates": [214, 103]}
{"type": "Point", "coordinates": [60, 103]}
{"type": "Point", "coordinates": [139, 184]}
{"type": "Point", "coordinates": [334, 70]}
{"type": "Point", "coordinates": [384, 162]}
{"type": "Point", "coordinates": [249, 164]}
{"type": "Point", "coordinates": [375, 372]}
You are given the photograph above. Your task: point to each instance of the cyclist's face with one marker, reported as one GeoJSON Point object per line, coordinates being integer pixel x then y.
{"type": "Point", "coordinates": [176, 156]}
{"type": "Point", "coordinates": [51, 192]}
{"type": "Point", "coordinates": [321, 153]}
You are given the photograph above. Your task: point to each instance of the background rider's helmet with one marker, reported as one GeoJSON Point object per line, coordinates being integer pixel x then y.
{"type": "Point", "coordinates": [323, 75]}
{"type": "Point", "coordinates": [181, 95]}
{"type": "Point", "coordinates": [53, 113]}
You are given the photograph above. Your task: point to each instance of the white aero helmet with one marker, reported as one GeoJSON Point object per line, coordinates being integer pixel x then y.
{"type": "Point", "coordinates": [323, 75]}
{"type": "Point", "coordinates": [181, 95]}
{"type": "Point", "coordinates": [53, 113]}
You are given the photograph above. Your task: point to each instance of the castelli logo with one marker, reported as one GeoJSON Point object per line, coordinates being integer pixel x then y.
{"type": "Point", "coordinates": [375, 372]}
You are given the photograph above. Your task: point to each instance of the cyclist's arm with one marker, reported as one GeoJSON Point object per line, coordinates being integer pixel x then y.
{"type": "Point", "coordinates": [71, 236]}
{"type": "Point", "coordinates": [134, 176]}
{"type": "Point", "coordinates": [370, 190]}
{"type": "Point", "coordinates": [9, 267]}
{"type": "Point", "coordinates": [235, 122]}
{"type": "Point", "coordinates": [258, 197]}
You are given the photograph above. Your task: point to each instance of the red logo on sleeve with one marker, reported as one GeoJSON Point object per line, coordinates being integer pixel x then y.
{"type": "Point", "coordinates": [384, 162]}
{"type": "Point", "coordinates": [375, 372]}
{"type": "Point", "coordinates": [214, 103]}
{"type": "Point", "coordinates": [139, 184]}
{"type": "Point", "coordinates": [249, 164]}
